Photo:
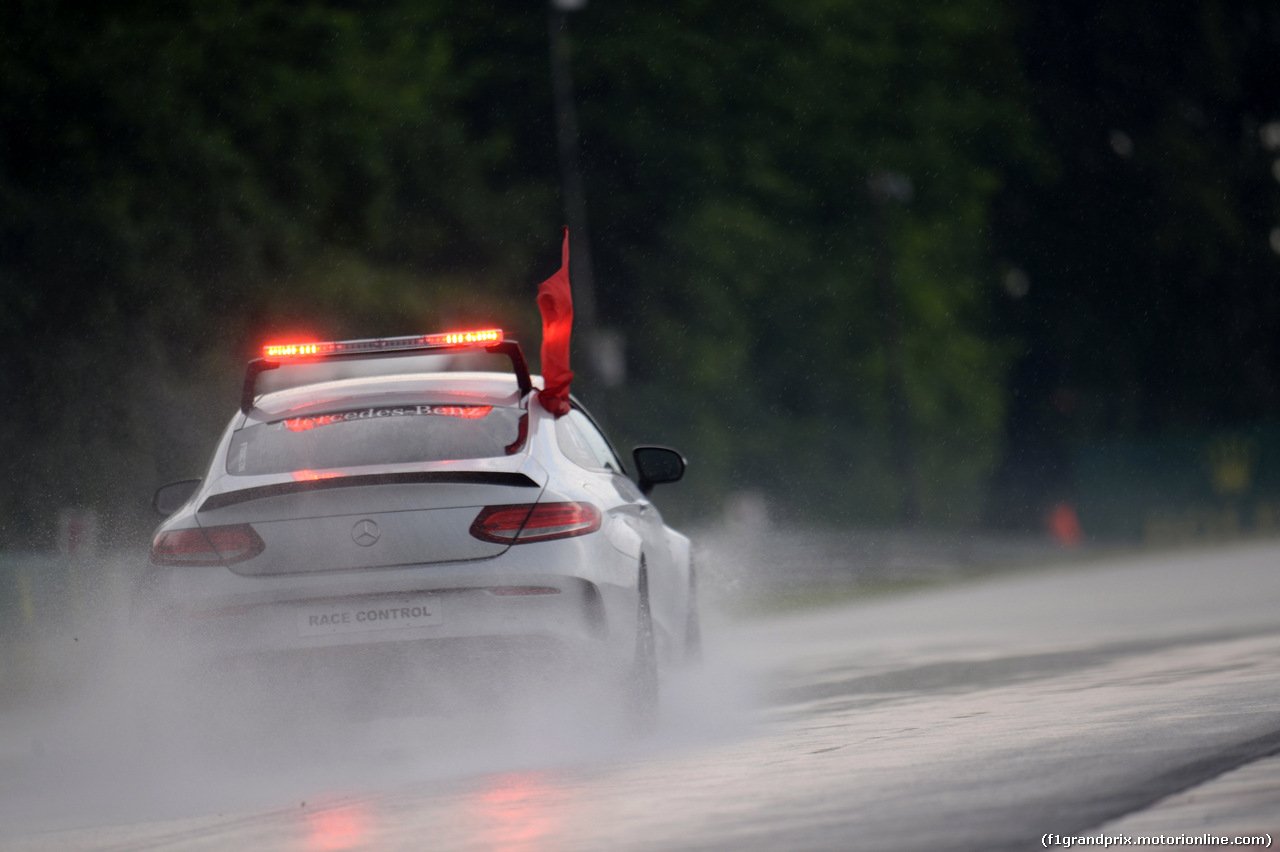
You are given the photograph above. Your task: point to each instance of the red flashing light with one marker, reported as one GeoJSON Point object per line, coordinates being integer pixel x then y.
{"type": "Point", "coordinates": [460, 338]}
{"type": "Point", "coordinates": [305, 424]}
{"type": "Point", "coordinates": [311, 475]}
{"type": "Point", "coordinates": [466, 412]}
{"type": "Point", "coordinates": [319, 349]}
{"type": "Point", "coordinates": [525, 523]}
{"type": "Point", "coordinates": [297, 350]}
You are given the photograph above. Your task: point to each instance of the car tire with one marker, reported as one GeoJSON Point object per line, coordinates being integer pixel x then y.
{"type": "Point", "coordinates": [643, 681]}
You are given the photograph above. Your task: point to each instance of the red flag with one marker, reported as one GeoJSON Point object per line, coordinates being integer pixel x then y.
{"type": "Point", "coordinates": [555, 301]}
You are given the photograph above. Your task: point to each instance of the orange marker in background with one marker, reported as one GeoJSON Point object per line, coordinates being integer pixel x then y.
{"type": "Point", "coordinates": [1064, 525]}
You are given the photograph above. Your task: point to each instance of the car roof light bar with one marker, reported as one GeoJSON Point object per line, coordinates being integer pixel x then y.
{"type": "Point", "coordinates": [491, 340]}
{"type": "Point", "coordinates": [290, 351]}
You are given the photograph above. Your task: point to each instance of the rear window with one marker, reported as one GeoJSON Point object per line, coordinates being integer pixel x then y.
{"type": "Point", "coordinates": [377, 435]}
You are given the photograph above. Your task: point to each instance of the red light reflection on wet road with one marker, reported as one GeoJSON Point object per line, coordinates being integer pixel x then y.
{"type": "Point", "coordinates": [336, 828]}
{"type": "Point", "coordinates": [517, 812]}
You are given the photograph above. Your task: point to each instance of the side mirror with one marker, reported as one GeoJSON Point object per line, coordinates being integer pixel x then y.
{"type": "Point", "coordinates": [657, 465]}
{"type": "Point", "coordinates": [170, 498]}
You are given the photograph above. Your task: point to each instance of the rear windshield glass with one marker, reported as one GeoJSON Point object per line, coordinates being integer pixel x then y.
{"type": "Point", "coordinates": [359, 437]}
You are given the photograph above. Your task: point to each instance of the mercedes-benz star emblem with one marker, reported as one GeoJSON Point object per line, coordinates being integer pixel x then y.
{"type": "Point", "coordinates": [365, 533]}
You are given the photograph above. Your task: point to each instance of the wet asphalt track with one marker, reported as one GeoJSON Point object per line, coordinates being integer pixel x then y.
{"type": "Point", "coordinates": [975, 716]}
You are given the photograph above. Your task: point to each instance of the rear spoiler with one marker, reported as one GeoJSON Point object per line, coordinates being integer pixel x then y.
{"type": "Point", "coordinates": [387, 347]}
{"type": "Point", "coordinates": [458, 477]}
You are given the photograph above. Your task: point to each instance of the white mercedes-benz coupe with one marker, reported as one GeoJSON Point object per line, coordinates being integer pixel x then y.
{"type": "Point", "coordinates": [399, 493]}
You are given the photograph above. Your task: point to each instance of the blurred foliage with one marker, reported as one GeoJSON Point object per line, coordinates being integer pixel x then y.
{"type": "Point", "coordinates": [1143, 242]}
{"type": "Point", "coordinates": [180, 181]}
{"type": "Point", "coordinates": [740, 165]}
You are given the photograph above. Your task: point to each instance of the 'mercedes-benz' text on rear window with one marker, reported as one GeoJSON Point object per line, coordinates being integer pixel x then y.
{"type": "Point", "coordinates": [375, 435]}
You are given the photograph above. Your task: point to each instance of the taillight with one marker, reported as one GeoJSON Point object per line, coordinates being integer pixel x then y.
{"type": "Point", "coordinates": [208, 546]}
{"type": "Point", "coordinates": [524, 523]}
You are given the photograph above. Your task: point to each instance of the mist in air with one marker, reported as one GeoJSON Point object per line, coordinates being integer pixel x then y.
{"type": "Point", "coordinates": [107, 724]}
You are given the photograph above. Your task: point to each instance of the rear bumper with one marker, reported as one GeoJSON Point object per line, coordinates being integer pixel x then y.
{"type": "Point", "coordinates": [570, 610]}
{"type": "Point", "coordinates": [211, 612]}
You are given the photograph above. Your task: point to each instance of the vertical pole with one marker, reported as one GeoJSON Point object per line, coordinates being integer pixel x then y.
{"type": "Point", "coordinates": [886, 188]}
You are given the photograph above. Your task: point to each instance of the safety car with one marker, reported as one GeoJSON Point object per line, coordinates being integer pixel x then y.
{"type": "Point", "coordinates": [413, 493]}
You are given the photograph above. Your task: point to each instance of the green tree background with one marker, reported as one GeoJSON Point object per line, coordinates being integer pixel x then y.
{"type": "Point", "coordinates": [1093, 198]}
